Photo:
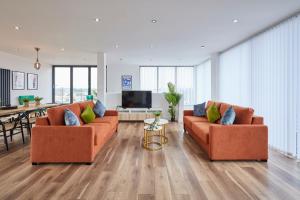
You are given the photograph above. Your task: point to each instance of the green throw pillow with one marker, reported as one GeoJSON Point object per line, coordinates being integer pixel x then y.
{"type": "Point", "coordinates": [88, 115]}
{"type": "Point", "coordinates": [213, 114]}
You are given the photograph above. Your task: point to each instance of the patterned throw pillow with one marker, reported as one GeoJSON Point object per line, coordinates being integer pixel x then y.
{"type": "Point", "coordinates": [228, 117]}
{"type": "Point", "coordinates": [213, 114]}
{"type": "Point", "coordinates": [99, 109]}
{"type": "Point", "coordinates": [71, 119]}
{"type": "Point", "coordinates": [199, 110]}
{"type": "Point", "coordinates": [88, 115]}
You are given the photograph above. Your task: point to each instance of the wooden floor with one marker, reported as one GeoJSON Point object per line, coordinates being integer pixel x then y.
{"type": "Point", "coordinates": [123, 170]}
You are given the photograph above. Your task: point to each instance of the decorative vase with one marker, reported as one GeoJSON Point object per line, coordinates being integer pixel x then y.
{"type": "Point", "coordinates": [157, 118]}
{"type": "Point", "coordinates": [26, 104]}
{"type": "Point", "coordinates": [37, 103]}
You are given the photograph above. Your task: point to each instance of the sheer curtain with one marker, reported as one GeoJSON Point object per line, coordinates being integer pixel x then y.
{"type": "Point", "coordinates": [203, 82]}
{"type": "Point", "coordinates": [185, 84]}
{"type": "Point", "coordinates": [148, 78]}
{"type": "Point", "coordinates": [264, 74]}
{"type": "Point", "coordinates": [165, 75]}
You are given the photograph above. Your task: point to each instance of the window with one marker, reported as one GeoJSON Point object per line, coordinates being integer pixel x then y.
{"type": "Point", "coordinates": [203, 82]}
{"type": "Point", "coordinates": [165, 75]}
{"type": "Point", "coordinates": [156, 79]}
{"type": "Point", "coordinates": [148, 78]}
{"type": "Point", "coordinates": [263, 73]}
{"type": "Point", "coordinates": [73, 83]}
{"type": "Point", "coordinates": [62, 85]}
{"type": "Point", "coordinates": [94, 82]}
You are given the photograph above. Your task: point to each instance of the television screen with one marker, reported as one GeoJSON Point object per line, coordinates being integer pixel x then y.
{"type": "Point", "coordinates": [136, 99]}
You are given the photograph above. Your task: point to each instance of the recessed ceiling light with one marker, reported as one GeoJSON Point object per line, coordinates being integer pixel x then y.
{"type": "Point", "coordinates": [154, 21]}
{"type": "Point", "coordinates": [202, 46]}
{"type": "Point", "coordinates": [62, 49]}
{"type": "Point", "coordinates": [121, 59]}
{"type": "Point", "coordinates": [117, 46]}
{"type": "Point", "coordinates": [235, 21]}
{"type": "Point", "coordinates": [17, 28]}
{"type": "Point", "coordinates": [151, 46]}
{"type": "Point", "coordinates": [97, 19]}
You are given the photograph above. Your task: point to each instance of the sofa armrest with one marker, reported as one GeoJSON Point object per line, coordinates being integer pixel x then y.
{"type": "Point", "coordinates": [238, 142]}
{"type": "Point", "coordinates": [111, 113]}
{"type": "Point", "coordinates": [42, 121]}
{"type": "Point", "coordinates": [188, 113]}
{"type": "Point", "coordinates": [257, 120]}
{"type": "Point", "coordinates": [62, 144]}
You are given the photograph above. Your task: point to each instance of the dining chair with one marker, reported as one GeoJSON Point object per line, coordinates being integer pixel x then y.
{"type": "Point", "coordinates": [9, 125]}
{"type": "Point", "coordinates": [30, 119]}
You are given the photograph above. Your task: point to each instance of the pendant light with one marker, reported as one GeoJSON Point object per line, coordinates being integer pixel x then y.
{"type": "Point", "coordinates": [37, 65]}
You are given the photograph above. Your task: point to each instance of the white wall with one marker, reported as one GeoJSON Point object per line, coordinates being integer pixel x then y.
{"type": "Point", "coordinates": [17, 63]}
{"type": "Point", "coordinates": [114, 73]}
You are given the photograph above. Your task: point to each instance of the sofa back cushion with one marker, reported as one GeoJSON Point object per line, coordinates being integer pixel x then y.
{"type": "Point", "coordinates": [56, 115]}
{"type": "Point", "coordinates": [84, 104]}
{"type": "Point", "coordinates": [243, 115]}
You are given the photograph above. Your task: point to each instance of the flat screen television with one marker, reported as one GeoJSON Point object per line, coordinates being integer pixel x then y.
{"type": "Point", "coordinates": [136, 99]}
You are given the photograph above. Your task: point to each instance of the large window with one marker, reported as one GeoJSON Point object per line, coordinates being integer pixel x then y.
{"type": "Point", "coordinates": [263, 73]}
{"type": "Point", "coordinates": [156, 79]}
{"type": "Point", "coordinates": [203, 82]}
{"type": "Point", "coordinates": [74, 83]}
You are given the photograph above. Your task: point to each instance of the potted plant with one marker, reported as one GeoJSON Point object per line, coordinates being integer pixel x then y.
{"type": "Point", "coordinates": [173, 98]}
{"type": "Point", "coordinates": [26, 102]}
{"type": "Point", "coordinates": [38, 100]}
{"type": "Point", "coordinates": [157, 115]}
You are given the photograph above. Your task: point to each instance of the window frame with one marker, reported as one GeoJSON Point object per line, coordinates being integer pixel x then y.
{"type": "Point", "coordinates": [71, 78]}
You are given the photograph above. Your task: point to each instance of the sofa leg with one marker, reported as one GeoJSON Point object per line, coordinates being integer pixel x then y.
{"type": "Point", "coordinates": [34, 163]}
{"type": "Point", "coordinates": [263, 160]}
{"type": "Point", "coordinates": [89, 163]}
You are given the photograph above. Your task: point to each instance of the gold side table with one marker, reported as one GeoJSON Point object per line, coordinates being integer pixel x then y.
{"type": "Point", "coordinates": [149, 135]}
{"type": "Point", "coordinates": [161, 122]}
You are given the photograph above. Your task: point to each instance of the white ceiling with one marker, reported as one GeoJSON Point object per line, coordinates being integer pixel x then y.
{"type": "Point", "coordinates": [183, 27]}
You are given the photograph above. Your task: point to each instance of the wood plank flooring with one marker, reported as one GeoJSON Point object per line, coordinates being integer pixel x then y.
{"type": "Point", "coordinates": [123, 170]}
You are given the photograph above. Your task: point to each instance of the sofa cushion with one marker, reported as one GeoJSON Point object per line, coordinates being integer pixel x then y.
{"type": "Point", "coordinates": [88, 115]}
{"type": "Point", "coordinates": [201, 129]}
{"type": "Point", "coordinates": [209, 103]}
{"type": "Point", "coordinates": [84, 104]}
{"type": "Point", "coordinates": [101, 132]}
{"type": "Point", "coordinates": [71, 119]}
{"type": "Point", "coordinates": [213, 114]}
{"type": "Point", "coordinates": [99, 109]}
{"type": "Point", "coordinates": [243, 115]}
{"type": "Point", "coordinates": [188, 120]}
{"type": "Point", "coordinates": [228, 117]}
{"type": "Point", "coordinates": [112, 120]}
{"type": "Point", "coordinates": [56, 115]}
{"type": "Point", "coordinates": [199, 110]}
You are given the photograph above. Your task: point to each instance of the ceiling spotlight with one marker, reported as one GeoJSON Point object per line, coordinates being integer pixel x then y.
{"type": "Point", "coordinates": [97, 19]}
{"type": "Point", "coordinates": [62, 49]}
{"type": "Point", "coordinates": [235, 21]}
{"type": "Point", "coordinates": [17, 28]}
{"type": "Point", "coordinates": [121, 59]}
{"type": "Point", "coordinates": [117, 46]}
{"type": "Point", "coordinates": [154, 21]}
{"type": "Point", "coordinates": [202, 46]}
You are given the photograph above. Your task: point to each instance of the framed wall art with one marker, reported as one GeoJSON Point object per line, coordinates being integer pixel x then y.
{"type": "Point", "coordinates": [18, 80]}
{"type": "Point", "coordinates": [32, 81]}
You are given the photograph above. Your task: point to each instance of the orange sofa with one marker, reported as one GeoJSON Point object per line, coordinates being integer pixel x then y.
{"type": "Point", "coordinates": [53, 142]}
{"type": "Point", "coordinates": [246, 139]}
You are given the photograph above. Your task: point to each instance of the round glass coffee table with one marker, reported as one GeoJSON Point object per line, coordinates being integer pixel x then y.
{"type": "Point", "coordinates": [161, 122]}
{"type": "Point", "coordinates": [150, 133]}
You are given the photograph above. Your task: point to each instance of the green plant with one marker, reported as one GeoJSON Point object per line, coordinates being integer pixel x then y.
{"type": "Point", "coordinates": [38, 98]}
{"type": "Point", "coordinates": [157, 113]}
{"type": "Point", "coordinates": [26, 100]}
{"type": "Point", "coordinates": [173, 98]}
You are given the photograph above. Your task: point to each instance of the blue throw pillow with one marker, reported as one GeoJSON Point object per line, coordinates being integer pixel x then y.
{"type": "Point", "coordinates": [228, 117]}
{"type": "Point", "coordinates": [99, 109]}
{"type": "Point", "coordinates": [71, 119]}
{"type": "Point", "coordinates": [199, 110]}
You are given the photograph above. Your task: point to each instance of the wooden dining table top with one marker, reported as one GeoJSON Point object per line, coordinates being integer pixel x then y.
{"type": "Point", "coordinates": [31, 108]}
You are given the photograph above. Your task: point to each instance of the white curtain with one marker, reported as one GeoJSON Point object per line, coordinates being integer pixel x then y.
{"type": "Point", "coordinates": [264, 73]}
{"type": "Point", "coordinates": [203, 82]}
{"type": "Point", "coordinates": [165, 75]}
{"type": "Point", "coordinates": [148, 78]}
{"type": "Point", "coordinates": [185, 84]}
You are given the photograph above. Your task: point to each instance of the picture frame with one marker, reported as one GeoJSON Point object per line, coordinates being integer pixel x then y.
{"type": "Point", "coordinates": [32, 81]}
{"type": "Point", "coordinates": [126, 82]}
{"type": "Point", "coordinates": [18, 80]}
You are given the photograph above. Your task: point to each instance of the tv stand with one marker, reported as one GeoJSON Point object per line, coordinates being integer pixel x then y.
{"type": "Point", "coordinates": [136, 114]}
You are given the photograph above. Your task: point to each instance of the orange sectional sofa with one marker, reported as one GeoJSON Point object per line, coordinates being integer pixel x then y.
{"type": "Point", "coordinates": [53, 142]}
{"type": "Point", "coordinates": [246, 139]}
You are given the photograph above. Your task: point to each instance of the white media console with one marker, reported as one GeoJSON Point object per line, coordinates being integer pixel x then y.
{"type": "Point", "coordinates": [136, 114]}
